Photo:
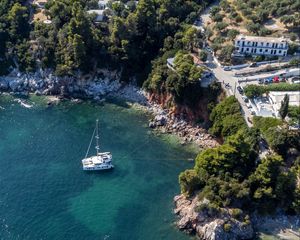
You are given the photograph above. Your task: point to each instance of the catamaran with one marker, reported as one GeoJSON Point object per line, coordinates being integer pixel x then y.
{"type": "Point", "coordinates": [102, 160]}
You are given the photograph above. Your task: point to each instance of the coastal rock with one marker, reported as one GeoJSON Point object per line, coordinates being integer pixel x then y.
{"type": "Point", "coordinates": [196, 217]}
{"type": "Point", "coordinates": [152, 124]}
{"type": "Point", "coordinates": [4, 86]}
{"type": "Point", "coordinates": [160, 120]}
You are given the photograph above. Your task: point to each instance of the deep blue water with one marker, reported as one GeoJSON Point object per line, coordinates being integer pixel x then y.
{"type": "Point", "coordinates": [44, 194]}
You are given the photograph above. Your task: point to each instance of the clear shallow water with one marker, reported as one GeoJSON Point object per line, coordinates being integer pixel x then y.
{"type": "Point", "coordinates": [44, 194]}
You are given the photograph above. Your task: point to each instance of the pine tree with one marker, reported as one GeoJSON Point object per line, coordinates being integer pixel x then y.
{"type": "Point", "coordinates": [283, 111]}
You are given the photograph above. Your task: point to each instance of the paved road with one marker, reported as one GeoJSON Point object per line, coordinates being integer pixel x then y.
{"type": "Point", "coordinates": [226, 77]}
{"type": "Point", "coordinates": [222, 76]}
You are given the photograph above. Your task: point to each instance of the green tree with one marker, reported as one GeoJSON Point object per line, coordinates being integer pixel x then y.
{"type": "Point", "coordinates": [232, 33]}
{"type": "Point", "coordinates": [203, 55]}
{"type": "Point", "coordinates": [189, 181]}
{"type": "Point", "coordinates": [283, 111]}
{"type": "Point", "coordinates": [18, 18]}
{"type": "Point", "coordinates": [226, 118]}
{"type": "Point", "coordinates": [252, 91]}
{"type": "Point", "coordinates": [263, 182]}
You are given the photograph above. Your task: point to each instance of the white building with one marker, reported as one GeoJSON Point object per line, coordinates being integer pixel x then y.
{"type": "Point", "coordinates": [40, 3]}
{"type": "Point", "coordinates": [103, 4]}
{"type": "Point", "coordinates": [268, 46]}
{"type": "Point", "coordinates": [277, 97]}
{"type": "Point", "coordinates": [99, 15]}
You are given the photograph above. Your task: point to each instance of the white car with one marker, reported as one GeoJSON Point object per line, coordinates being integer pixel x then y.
{"type": "Point", "coordinates": [246, 100]}
{"type": "Point", "coordinates": [249, 105]}
{"type": "Point", "coordinates": [226, 68]}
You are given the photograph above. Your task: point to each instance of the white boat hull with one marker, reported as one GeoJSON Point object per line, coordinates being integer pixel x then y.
{"type": "Point", "coordinates": [97, 163]}
{"type": "Point", "coordinates": [98, 168]}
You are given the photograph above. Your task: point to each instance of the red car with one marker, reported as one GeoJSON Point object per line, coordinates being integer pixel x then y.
{"type": "Point", "coordinates": [276, 79]}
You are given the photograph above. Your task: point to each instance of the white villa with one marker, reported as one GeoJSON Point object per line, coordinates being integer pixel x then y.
{"type": "Point", "coordinates": [268, 46]}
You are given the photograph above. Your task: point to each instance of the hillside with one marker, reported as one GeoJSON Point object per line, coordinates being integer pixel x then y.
{"type": "Point", "coordinates": [233, 182]}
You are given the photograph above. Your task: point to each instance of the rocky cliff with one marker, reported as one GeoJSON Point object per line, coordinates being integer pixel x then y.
{"type": "Point", "coordinates": [102, 84]}
{"type": "Point", "coordinates": [190, 114]}
{"type": "Point", "coordinates": [209, 223]}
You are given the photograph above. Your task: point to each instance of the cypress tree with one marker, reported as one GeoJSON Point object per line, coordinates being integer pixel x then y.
{"type": "Point", "coordinates": [283, 111]}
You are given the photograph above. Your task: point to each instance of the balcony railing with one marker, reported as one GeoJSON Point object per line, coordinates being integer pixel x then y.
{"type": "Point", "coordinates": [267, 47]}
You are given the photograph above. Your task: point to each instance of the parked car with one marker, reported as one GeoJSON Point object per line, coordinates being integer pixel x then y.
{"type": "Point", "coordinates": [260, 81]}
{"type": "Point", "coordinates": [276, 79]}
{"type": "Point", "coordinates": [226, 68]}
{"type": "Point", "coordinates": [253, 113]}
{"type": "Point", "coordinates": [296, 80]}
{"type": "Point", "coordinates": [239, 88]}
{"type": "Point", "coordinates": [253, 65]}
{"type": "Point", "coordinates": [227, 85]}
{"type": "Point", "coordinates": [268, 80]}
{"type": "Point", "coordinates": [246, 100]}
{"type": "Point", "coordinates": [249, 105]}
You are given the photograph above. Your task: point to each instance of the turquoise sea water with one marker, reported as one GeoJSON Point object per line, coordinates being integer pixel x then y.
{"type": "Point", "coordinates": [44, 194]}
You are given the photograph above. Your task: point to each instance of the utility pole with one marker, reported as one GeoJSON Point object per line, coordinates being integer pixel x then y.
{"type": "Point", "coordinates": [234, 89]}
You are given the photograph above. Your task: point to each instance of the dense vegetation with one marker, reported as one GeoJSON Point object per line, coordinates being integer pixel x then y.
{"type": "Point", "coordinates": [232, 176]}
{"type": "Point", "coordinates": [258, 90]}
{"type": "Point", "coordinates": [270, 127]}
{"type": "Point", "coordinates": [182, 81]}
{"type": "Point", "coordinates": [74, 42]}
{"type": "Point", "coordinates": [294, 114]}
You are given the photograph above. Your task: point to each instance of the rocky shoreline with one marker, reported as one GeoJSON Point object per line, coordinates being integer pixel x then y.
{"type": "Point", "coordinates": [101, 85]}
{"type": "Point", "coordinates": [209, 223]}
{"type": "Point", "coordinates": [163, 121]}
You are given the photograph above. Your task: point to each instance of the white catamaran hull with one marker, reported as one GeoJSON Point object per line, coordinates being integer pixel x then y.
{"type": "Point", "coordinates": [98, 168]}
{"type": "Point", "coordinates": [102, 160]}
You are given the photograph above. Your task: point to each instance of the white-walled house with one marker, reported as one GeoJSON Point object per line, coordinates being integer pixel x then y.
{"type": "Point", "coordinates": [269, 46]}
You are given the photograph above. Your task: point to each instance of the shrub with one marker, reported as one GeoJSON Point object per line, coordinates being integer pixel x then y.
{"type": "Point", "coordinates": [252, 91]}
{"type": "Point", "coordinates": [232, 33]}
{"type": "Point", "coordinates": [203, 55]}
{"type": "Point", "coordinates": [294, 113]}
{"type": "Point", "coordinates": [237, 213]}
{"type": "Point", "coordinates": [189, 181]}
{"type": "Point", "coordinates": [227, 227]}
{"type": "Point", "coordinates": [210, 208]}
{"type": "Point", "coordinates": [225, 54]}
{"type": "Point", "coordinates": [294, 62]}
{"type": "Point", "coordinates": [214, 10]}
{"type": "Point", "coordinates": [218, 17]}
{"type": "Point", "coordinates": [220, 26]}
{"type": "Point", "coordinates": [256, 90]}
{"type": "Point", "coordinates": [264, 123]}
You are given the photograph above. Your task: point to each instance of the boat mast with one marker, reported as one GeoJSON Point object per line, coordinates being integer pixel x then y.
{"type": "Point", "coordinates": [97, 137]}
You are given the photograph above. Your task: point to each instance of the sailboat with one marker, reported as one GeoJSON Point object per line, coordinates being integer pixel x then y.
{"type": "Point", "coordinates": [102, 160]}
